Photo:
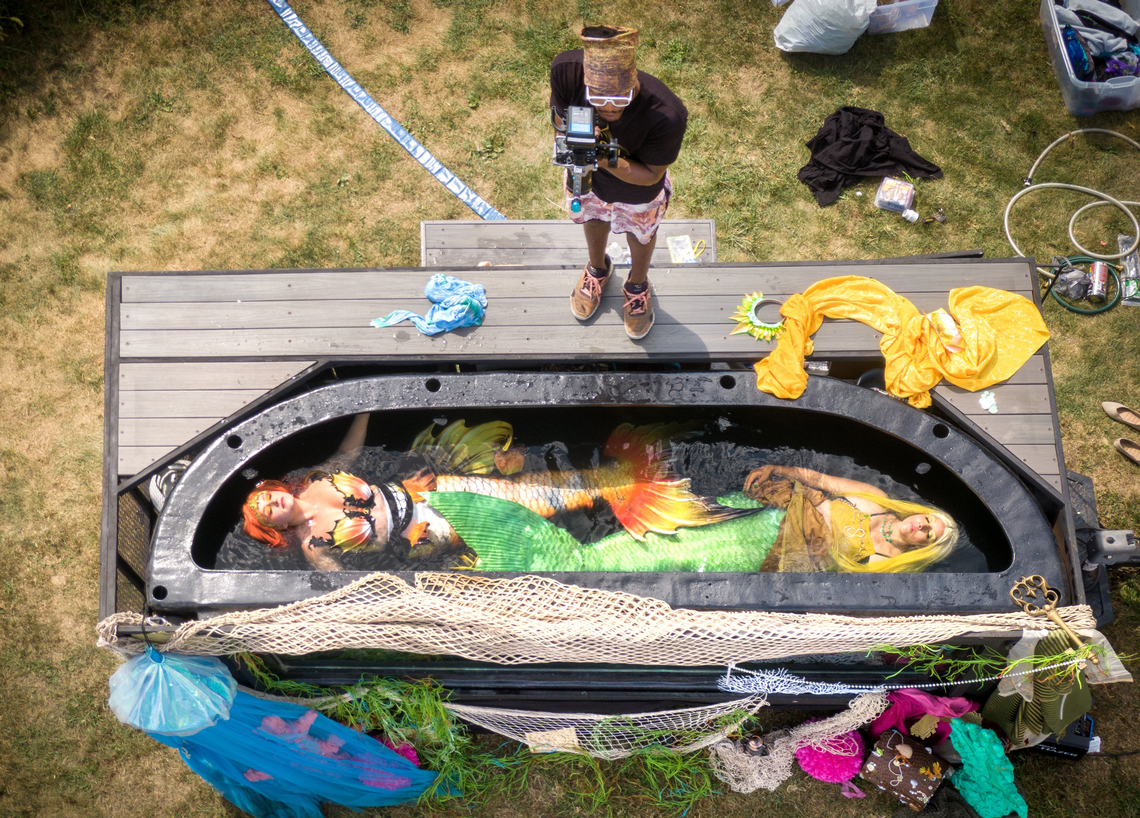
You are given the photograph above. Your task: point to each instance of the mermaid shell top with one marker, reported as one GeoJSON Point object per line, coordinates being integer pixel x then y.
{"type": "Point", "coordinates": [852, 528]}
{"type": "Point", "coordinates": [357, 528]}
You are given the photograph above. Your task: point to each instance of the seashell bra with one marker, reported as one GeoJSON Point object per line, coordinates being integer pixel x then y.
{"type": "Point", "coordinates": [357, 528]}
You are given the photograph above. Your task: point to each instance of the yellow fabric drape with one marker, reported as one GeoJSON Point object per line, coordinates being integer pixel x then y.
{"type": "Point", "coordinates": [1000, 331]}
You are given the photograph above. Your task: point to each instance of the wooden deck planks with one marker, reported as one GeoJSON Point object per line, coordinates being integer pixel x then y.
{"type": "Point", "coordinates": [134, 459]}
{"type": "Point", "coordinates": [190, 403]}
{"type": "Point", "coordinates": [504, 311]}
{"type": "Point", "coordinates": [603, 340]}
{"type": "Point", "coordinates": [1024, 422]}
{"type": "Point", "coordinates": [1041, 459]}
{"type": "Point", "coordinates": [193, 346]}
{"type": "Point", "coordinates": [213, 375]}
{"type": "Point", "coordinates": [168, 432]}
{"type": "Point", "coordinates": [293, 313]}
{"type": "Point", "coordinates": [406, 285]}
{"type": "Point", "coordinates": [1018, 399]}
{"type": "Point", "coordinates": [162, 405]}
{"type": "Point", "coordinates": [519, 242]}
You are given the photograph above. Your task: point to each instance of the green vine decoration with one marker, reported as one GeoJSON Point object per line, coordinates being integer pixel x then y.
{"type": "Point", "coordinates": [412, 712]}
{"type": "Point", "coordinates": [416, 712]}
{"type": "Point", "coordinates": [939, 663]}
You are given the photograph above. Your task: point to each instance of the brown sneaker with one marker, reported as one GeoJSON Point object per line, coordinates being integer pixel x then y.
{"type": "Point", "coordinates": [638, 313]}
{"type": "Point", "coordinates": [587, 293]}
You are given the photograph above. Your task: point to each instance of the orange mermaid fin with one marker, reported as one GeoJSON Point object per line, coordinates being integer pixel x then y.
{"type": "Point", "coordinates": [418, 483]}
{"type": "Point", "coordinates": [644, 448]}
{"type": "Point", "coordinates": [652, 498]}
{"type": "Point", "coordinates": [416, 532]}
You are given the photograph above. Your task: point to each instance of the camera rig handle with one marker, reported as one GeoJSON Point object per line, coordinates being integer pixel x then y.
{"type": "Point", "coordinates": [577, 148]}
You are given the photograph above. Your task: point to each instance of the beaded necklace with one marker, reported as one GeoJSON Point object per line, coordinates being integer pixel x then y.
{"type": "Point", "coordinates": [864, 518]}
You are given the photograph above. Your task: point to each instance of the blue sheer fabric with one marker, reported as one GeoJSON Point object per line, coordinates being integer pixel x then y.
{"type": "Point", "coordinates": [271, 759]}
{"type": "Point", "coordinates": [456, 303]}
{"type": "Point", "coordinates": [280, 760]}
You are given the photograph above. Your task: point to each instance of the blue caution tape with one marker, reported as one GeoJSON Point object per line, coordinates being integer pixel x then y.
{"type": "Point", "coordinates": [351, 87]}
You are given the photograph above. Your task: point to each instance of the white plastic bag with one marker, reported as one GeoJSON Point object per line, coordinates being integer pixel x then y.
{"type": "Point", "coordinates": [823, 26]}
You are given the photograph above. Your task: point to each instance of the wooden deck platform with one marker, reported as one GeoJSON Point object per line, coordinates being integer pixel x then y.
{"type": "Point", "coordinates": [518, 243]}
{"type": "Point", "coordinates": [188, 350]}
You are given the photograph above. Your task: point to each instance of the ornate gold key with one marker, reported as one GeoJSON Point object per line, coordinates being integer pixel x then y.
{"type": "Point", "coordinates": [1027, 588]}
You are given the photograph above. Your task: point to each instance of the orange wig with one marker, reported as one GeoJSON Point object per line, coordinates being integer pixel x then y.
{"type": "Point", "coordinates": [256, 525]}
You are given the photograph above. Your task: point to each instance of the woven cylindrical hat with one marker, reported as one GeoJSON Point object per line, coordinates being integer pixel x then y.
{"type": "Point", "coordinates": [610, 59]}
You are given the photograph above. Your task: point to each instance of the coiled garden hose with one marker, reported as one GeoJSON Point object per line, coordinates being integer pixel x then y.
{"type": "Point", "coordinates": [1105, 200]}
{"type": "Point", "coordinates": [1069, 305]}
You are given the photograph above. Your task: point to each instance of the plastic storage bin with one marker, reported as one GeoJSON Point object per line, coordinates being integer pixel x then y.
{"type": "Point", "coordinates": [1088, 98]}
{"type": "Point", "coordinates": [901, 16]}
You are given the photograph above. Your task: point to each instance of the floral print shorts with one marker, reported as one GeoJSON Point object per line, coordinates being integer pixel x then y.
{"type": "Point", "coordinates": [641, 220]}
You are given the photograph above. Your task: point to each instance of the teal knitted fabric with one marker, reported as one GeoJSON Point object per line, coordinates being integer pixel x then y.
{"type": "Point", "coordinates": [986, 777]}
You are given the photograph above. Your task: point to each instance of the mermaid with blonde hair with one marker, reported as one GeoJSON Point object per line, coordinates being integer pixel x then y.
{"type": "Point", "coordinates": [847, 525]}
{"type": "Point", "coordinates": [800, 521]}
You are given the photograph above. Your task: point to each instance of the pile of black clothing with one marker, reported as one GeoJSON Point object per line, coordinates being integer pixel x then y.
{"type": "Point", "coordinates": [854, 144]}
{"type": "Point", "coordinates": [1101, 39]}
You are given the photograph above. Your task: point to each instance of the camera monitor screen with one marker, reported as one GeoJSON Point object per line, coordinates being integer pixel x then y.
{"type": "Point", "coordinates": [580, 123]}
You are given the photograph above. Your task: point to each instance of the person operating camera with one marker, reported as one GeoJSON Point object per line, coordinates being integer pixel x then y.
{"type": "Point", "coordinates": [648, 122]}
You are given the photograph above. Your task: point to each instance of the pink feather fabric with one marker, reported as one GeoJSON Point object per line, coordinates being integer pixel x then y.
{"type": "Point", "coordinates": [842, 763]}
{"type": "Point", "coordinates": [911, 705]}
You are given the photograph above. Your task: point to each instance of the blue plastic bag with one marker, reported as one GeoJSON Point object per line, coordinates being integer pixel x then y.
{"type": "Point", "coordinates": [458, 303]}
{"type": "Point", "coordinates": [175, 695]}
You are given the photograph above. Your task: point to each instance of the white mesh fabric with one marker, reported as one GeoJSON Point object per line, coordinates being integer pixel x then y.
{"type": "Point", "coordinates": [611, 737]}
{"type": "Point", "coordinates": [527, 620]}
{"type": "Point", "coordinates": [744, 773]}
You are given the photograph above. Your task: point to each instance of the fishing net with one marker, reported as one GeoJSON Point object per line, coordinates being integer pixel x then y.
{"type": "Point", "coordinates": [612, 737]}
{"type": "Point", "coordinates": [602, 736]}
{"type": "Point", "coordinates": [746, 773]}
{"type": "Point", "coordinates": [527, 620]}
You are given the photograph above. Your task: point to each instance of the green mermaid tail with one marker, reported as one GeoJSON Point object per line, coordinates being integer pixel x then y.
{"type": "Point", "coordinates": [510, 537]}
{"type": "Point", "coordinates": [638, 486]}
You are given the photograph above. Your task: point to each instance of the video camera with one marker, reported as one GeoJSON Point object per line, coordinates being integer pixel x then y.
{"type": "Point", "coordinates": [577, 148]}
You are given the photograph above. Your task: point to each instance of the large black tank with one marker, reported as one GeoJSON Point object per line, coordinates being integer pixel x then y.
{"type": "Point", "coordinates": [1012, 534]}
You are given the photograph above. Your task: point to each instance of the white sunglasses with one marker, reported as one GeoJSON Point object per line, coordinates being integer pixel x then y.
{"type": "Point", "coordinates": [598, 100]}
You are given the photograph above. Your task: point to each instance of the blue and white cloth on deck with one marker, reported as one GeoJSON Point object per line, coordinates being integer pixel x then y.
{"type": "Point", "coordinates": [457, 303]}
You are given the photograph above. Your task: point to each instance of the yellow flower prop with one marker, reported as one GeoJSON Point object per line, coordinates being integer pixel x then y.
{"type": "Point", "coordinates": [748, 316]}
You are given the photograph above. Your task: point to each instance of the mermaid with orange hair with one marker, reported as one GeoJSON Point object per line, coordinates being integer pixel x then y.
{"type": "Point", "coordinates": [331, 512]}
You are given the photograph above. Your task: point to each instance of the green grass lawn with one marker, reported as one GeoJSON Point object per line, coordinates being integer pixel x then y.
{"type": "Point", "coordinates": [144, 135]}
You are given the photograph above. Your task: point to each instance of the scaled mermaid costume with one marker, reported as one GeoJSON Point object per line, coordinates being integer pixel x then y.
{"type": "Point", "coordinates": [510, 537]}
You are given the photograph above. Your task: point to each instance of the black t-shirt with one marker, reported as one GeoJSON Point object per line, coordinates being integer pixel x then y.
{"type": "Point", "coordinates": [649, 131]}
